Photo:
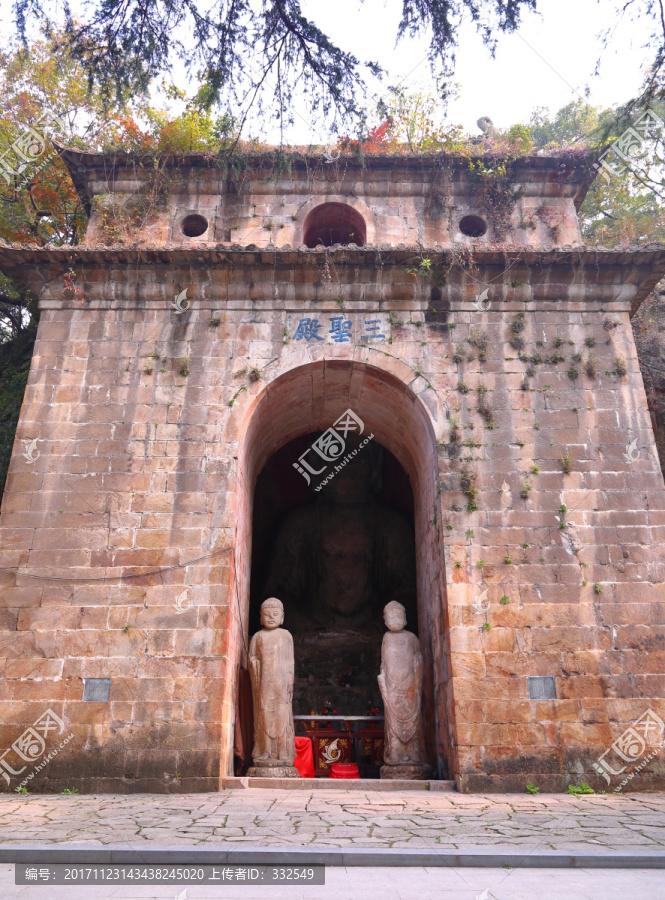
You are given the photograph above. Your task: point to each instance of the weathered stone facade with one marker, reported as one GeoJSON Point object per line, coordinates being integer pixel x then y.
{"type": "Point", "coordinates": [126, 545]}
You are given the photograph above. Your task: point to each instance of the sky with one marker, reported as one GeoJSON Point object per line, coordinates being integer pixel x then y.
{"type": "Point", "coordinates": [548, 62]}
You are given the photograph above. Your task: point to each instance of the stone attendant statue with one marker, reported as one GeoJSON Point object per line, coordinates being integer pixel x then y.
{"type": "Point", "coordinates": [400, 682]}
{"type": "Point", "coordinates": [271, 672]}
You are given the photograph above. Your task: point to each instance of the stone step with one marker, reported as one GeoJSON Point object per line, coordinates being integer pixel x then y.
{"type": "Point", "coordinates": [333, 784]}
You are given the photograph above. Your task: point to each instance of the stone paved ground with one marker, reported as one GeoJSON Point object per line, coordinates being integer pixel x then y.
{"type": "Point", "coordinates": [340, 818]}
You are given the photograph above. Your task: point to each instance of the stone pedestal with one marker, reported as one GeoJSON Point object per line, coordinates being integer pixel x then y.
{"type": "Point", "coordinates": [419, 772]}
{"type": "Point", "coordinates": [272, 768]}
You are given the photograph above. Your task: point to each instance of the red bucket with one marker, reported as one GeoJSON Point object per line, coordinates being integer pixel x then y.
{"type": "Point", "coordinates": [344, 770]}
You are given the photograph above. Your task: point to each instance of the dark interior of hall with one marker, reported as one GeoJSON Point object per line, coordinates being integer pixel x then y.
{"type": "Point", "coordinates": [335, 558]}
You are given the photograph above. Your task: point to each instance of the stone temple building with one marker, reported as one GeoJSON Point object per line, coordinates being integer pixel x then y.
{"type": "Point", "coordinates": [340, 382]}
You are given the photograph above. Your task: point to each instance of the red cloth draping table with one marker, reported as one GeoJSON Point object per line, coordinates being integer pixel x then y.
{"type": "Point", "coordinates": [304, 761]}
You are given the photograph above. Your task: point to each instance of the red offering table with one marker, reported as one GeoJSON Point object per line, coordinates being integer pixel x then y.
{"type": "Point", "coordinates": [344, 739]}
{"type": "Point", "coordinates": [344, 770]}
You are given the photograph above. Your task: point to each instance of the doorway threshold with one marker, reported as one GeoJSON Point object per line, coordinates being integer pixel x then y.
{"type": "Point", "coordinates": [335, 784]}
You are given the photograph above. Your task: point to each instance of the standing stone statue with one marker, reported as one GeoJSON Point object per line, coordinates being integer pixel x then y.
{"type": "Point", "coordinates": [400, 682]}
{"type": "Point", "coordinates": [271, 672]}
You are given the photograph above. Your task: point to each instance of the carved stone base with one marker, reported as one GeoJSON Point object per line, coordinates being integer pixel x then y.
{"type": "Point", "coordinates": [273, 770]}
{"type": "Point", "coordinates": [406, 772]}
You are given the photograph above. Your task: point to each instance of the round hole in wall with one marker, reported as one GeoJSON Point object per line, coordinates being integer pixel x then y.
{"type": "Point", "coordinates": [473, 226]}
{"type": "Point", "coordinates": [194, 225]}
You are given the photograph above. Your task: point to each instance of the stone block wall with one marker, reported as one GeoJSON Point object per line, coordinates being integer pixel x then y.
{"type": "Point", "coordinates": [402, 200]}
{"type": "Point", "coordinates": [125, 544]}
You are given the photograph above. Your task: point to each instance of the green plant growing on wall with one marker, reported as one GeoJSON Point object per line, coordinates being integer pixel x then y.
{"type": "Point", "coordinates": [563, 509]}
{"type": "Point", "coordinates": [525, 489]}
{"type": "Point", "coordinates": [469, 489]}
{"type": "Point", "coordinates": [497, 191]}
{"type": "Point", "coordinates": [455, 434]}
{"type": "Point", "coordinates": [480, 341]}
{"type": "Point", "coordinates": [620, 368]}
{"type": "Point", "coordinates": [484, 409]}
{"type": "Point", "coordinates": [235, 396]}
{"type": "Point", "coordinates": [424, 268]}
{"type": "Point", "coordinates": [516, 329]}
{"type": "Point", "coordinates": [590, 366]}
{"type": "Point", "coordinates": [531, 789]}
{"type": "Point", "coordinates": [566, 463]}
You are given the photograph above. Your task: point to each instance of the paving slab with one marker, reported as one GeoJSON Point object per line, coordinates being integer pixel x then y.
{"type": "Point", "coordinates": [618, 827]}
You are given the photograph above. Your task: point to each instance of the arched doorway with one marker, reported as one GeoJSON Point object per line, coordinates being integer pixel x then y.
{"type": "Point", "coordinates": [297, 407]}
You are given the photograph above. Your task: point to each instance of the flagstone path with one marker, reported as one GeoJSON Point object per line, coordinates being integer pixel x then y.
{"type": "Point", "coordinates": [339, 818]}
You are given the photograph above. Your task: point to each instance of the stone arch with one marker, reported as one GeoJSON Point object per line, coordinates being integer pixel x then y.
{"type": "Point", "coordinates": [353, 204]}
{"type": "Point", "coordinates": [310, 397]}
{"type": "Point", "coordinates": [334, 223]}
